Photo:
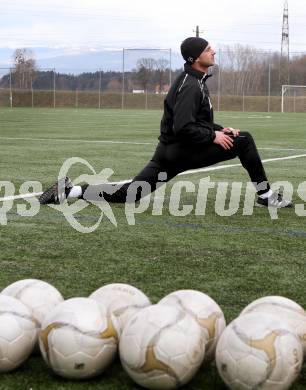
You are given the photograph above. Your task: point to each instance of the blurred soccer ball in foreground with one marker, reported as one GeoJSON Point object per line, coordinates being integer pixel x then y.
{"type": "Point", "coordinates": [77, 340]}
{"type": "Point", "coordinates": [18, 331]}
{"type": "Point", "coordinates": [205, 310]}
{"type": "Point", "coordinates": [259, 351]}
{"type": "Point", "coordinates": [38, 295]}
{"type": "Point", "coordinates": [122, 301]}
{"type": "Point", "coordinates": [162, 347]}
{"type": "Point", "coordinates": [284, 308]}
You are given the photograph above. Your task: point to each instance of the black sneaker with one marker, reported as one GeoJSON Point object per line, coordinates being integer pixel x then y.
{"type": "Point", "coordinates": [57, 193]}
{"type": "Point", "coordinates": [275, 200]}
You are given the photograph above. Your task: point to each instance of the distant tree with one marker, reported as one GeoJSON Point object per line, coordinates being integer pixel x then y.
{"type": "Point", "coordinates": [114, 85]}
{"type": "Point", "coordinates": [242, 69]}
{"type": "Point", "coordinates": [144, 72]}
{"type": "Point", "coordinates": [161, 69]}
{"type": "Point", "coordinates": [298, 70]}
{"type": "Point", "coordinates": [24, 68]}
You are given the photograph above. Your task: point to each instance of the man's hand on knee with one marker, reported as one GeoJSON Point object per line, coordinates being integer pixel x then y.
{"type": "Point", "coordinates": [223, 140]}
{"type": "Point", "coordinates": [230, 130]}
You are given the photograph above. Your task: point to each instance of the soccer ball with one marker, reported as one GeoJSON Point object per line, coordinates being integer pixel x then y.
{"type": "Point", "coordinates": [259, 351]}
{"type": "Point", "coordinates": [39, 296]}
{"type": "Point", "coordinates": [77, 340]}
{"type": "Point", "coordinates": [285, 308]}
{"type": "Point", "coordinates": [122, 301]}
{"type": "Point", "coordinates": [17, 333]}
{"type": "Point", "coordinates": [205, 310]}
{"type": "Point", "coordinates": [162, 347]}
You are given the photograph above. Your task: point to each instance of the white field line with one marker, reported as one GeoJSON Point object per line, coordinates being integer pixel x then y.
{"type": "Point", "coordinates": [282, 149]}
{"type": "Point", "coordinates": [245, 117]}
{"type": "Point", "coordinates": [119, 142]}
{"type": "Point", "coordinates": [208, 169]}
{"type": "Point", "coordinates": [239, 165]}
{"type": "Point", "coordinates": [77, 140]}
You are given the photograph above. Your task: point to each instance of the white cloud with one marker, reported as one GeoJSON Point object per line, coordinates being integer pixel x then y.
{"type": "Point", "coordinates": [159, 23]}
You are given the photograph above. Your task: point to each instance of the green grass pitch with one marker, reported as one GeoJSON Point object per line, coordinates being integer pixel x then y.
{"type": "Point", "coordinates": [233, 259]}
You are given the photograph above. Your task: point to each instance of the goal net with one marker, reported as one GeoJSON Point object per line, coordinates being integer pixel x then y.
{"type": "Point", "coordinates": [293, 98]}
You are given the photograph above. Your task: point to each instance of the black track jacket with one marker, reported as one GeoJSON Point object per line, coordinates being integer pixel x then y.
{"type": "Point", "coordinates": [188, 114]}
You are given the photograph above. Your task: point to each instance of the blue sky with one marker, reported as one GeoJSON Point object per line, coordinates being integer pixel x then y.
{"type": "Point", "coordinates": [80, 25]}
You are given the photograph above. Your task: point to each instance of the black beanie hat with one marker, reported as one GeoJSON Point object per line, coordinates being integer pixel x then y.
{"type": "Point", "coordinates": [191, 48]}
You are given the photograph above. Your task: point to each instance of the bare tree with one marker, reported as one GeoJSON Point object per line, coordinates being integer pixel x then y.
{"type": "Point", "coordinates": [24, 68]}
{"type": "Point", "coordinates": [161, 68]}
{"type": "Point", "coordinates": [243, 69]}
{"type": "Point", "coordinates": [298, 70]}
{"type": "Point", "coordinates": [145, 68]}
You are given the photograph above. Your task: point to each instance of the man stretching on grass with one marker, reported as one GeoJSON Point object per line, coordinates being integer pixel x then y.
{"type": "Point", "coordinates": [189, 139]}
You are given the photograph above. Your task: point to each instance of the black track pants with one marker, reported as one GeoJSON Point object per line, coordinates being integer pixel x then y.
{"type": "Point", "coordinates": [170, 160]}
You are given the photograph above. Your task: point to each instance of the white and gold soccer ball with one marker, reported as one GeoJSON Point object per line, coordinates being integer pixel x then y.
{"type": "Point", "coordinates": [205, 310]}
{"type": "Point", "coordinates": [162, 347]}
{"type": "Point", "coordinates": [284, 308]}
{"type": "Point", "coordinates": [259, 351]}
{"type": "Point", "coordinates": [77, 340]}
{"type": "Point", "coordinates": [122, 301]}
{"type": "Point", "coordinates": [39, 296]}
{"type": "Point", "coordinates": [18, 331]}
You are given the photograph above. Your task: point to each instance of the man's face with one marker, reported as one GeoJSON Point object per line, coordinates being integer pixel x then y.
{"type": "Point", "coordinates": [207, 57]}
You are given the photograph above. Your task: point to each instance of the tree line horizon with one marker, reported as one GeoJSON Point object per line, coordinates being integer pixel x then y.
{"type": "Point", "coordinates": [242, 70]}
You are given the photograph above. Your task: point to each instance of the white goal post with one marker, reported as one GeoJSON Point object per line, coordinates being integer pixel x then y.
{"type": "Point", "coordinates": [292, 92]}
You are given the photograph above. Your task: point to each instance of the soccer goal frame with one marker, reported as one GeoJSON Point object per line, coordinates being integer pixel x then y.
{"type": "Point", "coordinates": [286, 88]}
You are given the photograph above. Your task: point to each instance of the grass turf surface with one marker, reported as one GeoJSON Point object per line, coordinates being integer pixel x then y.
{"type": "Point", "coordinates": [233, 259]}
